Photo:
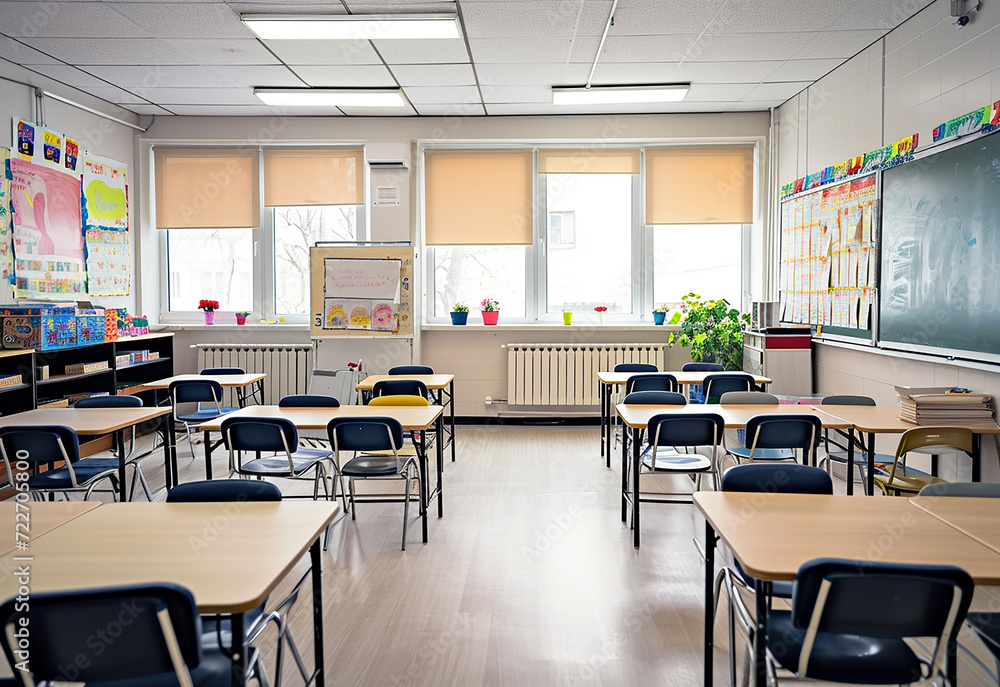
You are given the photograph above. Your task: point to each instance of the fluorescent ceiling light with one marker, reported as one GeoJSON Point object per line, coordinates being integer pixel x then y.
{"type": "Point", "coordinates": [352, 26]}
{"type": "Point", "coordinates": [613, 95]}
{"type": "Point", "coordinates": [331, 97]}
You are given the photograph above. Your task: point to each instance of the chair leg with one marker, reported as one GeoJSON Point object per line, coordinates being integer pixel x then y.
{"type": "Point", "coordinates": [406, 505]}
{"type": "Point", "coordinates": [137, 474]}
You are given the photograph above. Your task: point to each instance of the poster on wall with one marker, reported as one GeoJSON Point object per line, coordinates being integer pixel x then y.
{"type": "Point", "coordinates": [361, 294]}
{"type": "Point", "coordinates": [5, 268]}
{"type": "Point", "coordinates": [105, 224]}
{"type": "Point", "coordinates": [48, 240]}
{"type": "Point", "coordinates": [46, 147]}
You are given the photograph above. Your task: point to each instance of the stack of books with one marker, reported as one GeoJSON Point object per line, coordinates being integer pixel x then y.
{"type": "Point", "coordinates": [945, 407]}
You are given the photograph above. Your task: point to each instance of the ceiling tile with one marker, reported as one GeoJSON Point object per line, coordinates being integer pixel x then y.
{"type": "Point", "coordinates": [673, 72]}
{"type": "Point", "coordinates": [354, 76]}
{"type": "Point", "coordinates": [776, 91]}
{"type": "Point", "coordinates": [540, 18]}
{"type": "Point", "coordinates": [557, 74]}
{"type": "Point", "coordinates": [424, 51]}
{"type": "Point", "coordinates": [66, 20]}
{"type": "Point", "coordinates": [115, 95]}
{"type": "Point", "coordinates": [865, 14]}
{"type": "Point", "coordinates": [453, 110]}
{"type": "Point", "coordinates": [777, 16]}
{"type": "Point", "coordinates": [802, 70]}
{"type": "Point", "coordinates": [215, 76]}
{"type": "Point", "coordinates": [434, 95]}
{"type": "Point", "coordinates": [533, 49]}
{"type": "Point", "coordinates": [192, 20]}
{"type": "Point", "coordinates": [718, 92]}
{"type": "Point", "coordinates": [247, 111]}
{"type": "Point", "coordinates": [146, 109]}
{"type": "Point", "coordinates": [71, 76]}
{"type": "Point", "coordinates": [672, 48]}
{"type": "Point", "coordinates": [198, 96]}
{"type": "Point", "coordinates": [839, 44]}
{"type": "Point", "coordinates": [517, 94]}
{"type": "Point", "coordinates": [433, 74]}
{"type": "Point", "coordinates": [19, 53]}
{"type": "Point", "coordinates": [737, 46]}
{"type": "Point", "coordinates": [650, 17]}
{"type": "Point", "coordinates": [324, 52]}
{"type": "Point", "coordinates": [112, 51]}
{"type": "Point", "coordinates": [224, 51]}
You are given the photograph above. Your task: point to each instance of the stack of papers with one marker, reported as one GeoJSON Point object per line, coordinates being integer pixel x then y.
{"type": "Point", "coordinates": [945, 408]}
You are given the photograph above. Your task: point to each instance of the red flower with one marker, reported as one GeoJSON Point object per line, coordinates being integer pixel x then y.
{"type": "Point", "coordinates": [208, 306]}
{"type": "Point", "coordinates": [601, 308]}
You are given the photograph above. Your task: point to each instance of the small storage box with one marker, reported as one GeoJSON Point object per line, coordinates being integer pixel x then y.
{"type": "Point", "coordinates": [90, 326]}
{"type": "Point", "coordinates": [42, 327]}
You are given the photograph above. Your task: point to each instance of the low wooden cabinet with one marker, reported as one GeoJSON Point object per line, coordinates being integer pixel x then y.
{"type": "Point", "coordinates": [786, 358]}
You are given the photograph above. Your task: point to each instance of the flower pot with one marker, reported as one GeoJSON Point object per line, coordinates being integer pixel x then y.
{"type": "Point", "coordinates": [241, 319]}
{"type": "Point", "coordinates": [490, 316]}
{"type": "Point", "coordinates": [659, 317]}
{"type": "Point", "coordinates": [460, 318]}
{"type": "Point", "coordinates": [567, 318]}
{"type": "Point", "coordinates": [209, 317]}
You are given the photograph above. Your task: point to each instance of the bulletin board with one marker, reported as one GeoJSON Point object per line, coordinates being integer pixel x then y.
{"type": "Point", "coordinates": [829, 257]}
{"type": "Point", "coordinates": [361, 290]}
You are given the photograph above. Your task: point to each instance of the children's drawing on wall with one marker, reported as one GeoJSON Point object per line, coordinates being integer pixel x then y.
{"type": "Point", "coordinates": [5, 269]}
{"type": "Point", "coordinates": [105, 221]}
{"type": "Point", "coordinates": [361, 294]}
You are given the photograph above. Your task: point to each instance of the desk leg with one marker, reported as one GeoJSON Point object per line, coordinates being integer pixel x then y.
{"type": "Point", "coordinates": [624, 481]}
{"type": "Point", "coordinates": [123, 494]}
{"type": "Point", "coordinates": [239, 651]}
{"type": "Point", "coordinates": [635, 484]}
{"type": "Point", "coordinates": [709, 601]}
{"type": "Point", "coordinates": [850, 462]}
{"type": "Point", "coordinates": [451, 405]}
{"type": "Point", "coordinates": [439, 450]}
{"type": "Point", "coordinates": [870, 477]}
{"type": "Point", "coordinates": [317, 595]}
{"type": "Point", "coordinates": [424, 496]}
{"type": "Point", "coordinates": [208, 456]}
{"type": "Point", "coordinates": [169, 453]}
{"type": "Point", "coordinates": [977, 447]}
{"type": "Point", "coordinates": [763, 594]}
{"type": "Point", "coordinates": [604, 415]}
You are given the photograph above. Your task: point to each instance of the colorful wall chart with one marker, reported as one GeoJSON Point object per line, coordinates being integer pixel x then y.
{"type": "Point", "coordinates": [361, 293]}
{"type": "Point", "coordinates": [5, 266]}
{"type": "Point", "coordinates": [105, 223]}
{"type": "Point", "coordinates": [829, 255]}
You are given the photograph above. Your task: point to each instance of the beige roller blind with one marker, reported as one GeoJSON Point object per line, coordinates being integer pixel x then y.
{"type": "Point", "coordinates": [588, 161]}
{"type": "Point", "coordinates": [316, 176]}
{"type": "Point", "coordinates": [206, 188]}
{"type": "Point", "coordinates": [699, 185]}
{"type": "Point", "coordinates": [477, 197]}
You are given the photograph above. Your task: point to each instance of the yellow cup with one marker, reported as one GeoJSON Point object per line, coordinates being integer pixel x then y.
{"type": "Point", "coordinates": [567, 318]}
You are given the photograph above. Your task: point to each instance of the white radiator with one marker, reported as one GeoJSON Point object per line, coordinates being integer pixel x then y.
{"type": "Point", "coordinates": [288, 366]}
{"type": "Point", "coordinates": [566, 374]}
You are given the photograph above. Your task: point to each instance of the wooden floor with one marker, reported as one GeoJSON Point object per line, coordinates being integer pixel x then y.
{"type": "Point", "coordinates": [529, 579]}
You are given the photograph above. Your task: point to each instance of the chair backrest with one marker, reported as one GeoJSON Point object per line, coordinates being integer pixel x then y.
{"type": "Point", "coordinates": [847, 400]}
{"type": "Point", "coordinates": [883, 600]}
{"type": "Point", "coordinates": [38, 444]}
{"type": "Point", "coordinates": [651, 382]}
{"type": "Point", "coordinates": [162, 633]}
{"type": "Point", "coordinates": [223, 371]}
{"type": "Point", "coordinates": [716, 385]}
{"type": "Point", "coordinates": [399, 400]}
{"type": "Point", "coordinates": [308, 401]}
{"type": "Point", "coordinates": [365, 434]}
{"type": "Point", "coordinates": [987, 490]}
{"type": "Point", "coordinates": [636, 367]}
{"type": "Point", "coordinates": [960, 438]}
{"type": "Point", "coordinates": [411, 370]}
{"type": "Point", "coordinates": [224, 490]}
{"type": "Point", "coordinates": [399, 387]}
{"type": "Point", "coordinates": [702, 367]}
{"type": "Point", "coordinates": [655, 398]}
{"type": "Point", "coordinates": [777, 478]}
{"type": "Point", "coordinates": [748, 398]}
{"type": "Point", "coordinates": [260, 434]}
{"type": "Point", "coordinates": [123, 401]}
{"type": "Point", "coordinates": [688, 429]}
{"type": "Point", "coordinates": [195, 391]}
{"type": "Point", "coordinates": [784, 431]}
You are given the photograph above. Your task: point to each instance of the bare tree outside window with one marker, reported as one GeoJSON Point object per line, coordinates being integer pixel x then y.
{"type": "Point", "coordinates": [295, 230]}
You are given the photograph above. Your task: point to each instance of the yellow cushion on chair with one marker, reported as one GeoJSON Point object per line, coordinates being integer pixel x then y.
{"type": "Point", "coordinates": [398, 401]}
{"type": "Point", "coordinates": [906, 480]}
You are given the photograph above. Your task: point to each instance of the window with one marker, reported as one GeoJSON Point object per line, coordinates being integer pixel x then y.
{"type": "Point", "coordinates": [468, 274]}
{"type": "Point", "coordinates": [242, 238]}
{"type": "Point", "coordinates": [562, 229]}
{"type": "Point", "coordinates": [705, 259]}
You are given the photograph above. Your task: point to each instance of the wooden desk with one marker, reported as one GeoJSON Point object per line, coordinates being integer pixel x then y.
{"type": "Point", "coordinates": [973, 517]}
{"type": "Point", "coordinates": [872, 420]}
{"type": "Point", "coordinates": [771, 535]}
{"type": "Point", "coordinates": [636, 417]}
{"type": "Point", "coordinates": [608, 381]}
{"type": "Point", "coordinates": [101, 421]}
{"type": "Point", "coordinates": [27, 521]}
{"type": "Point", "coordinates": [413, 418]}
{"type": "Point", "coordinates": [441, 385]}
{"type": "Point", "coordinates": [237, 382]}
{"type": "Point", "coordinates": [231, 556]}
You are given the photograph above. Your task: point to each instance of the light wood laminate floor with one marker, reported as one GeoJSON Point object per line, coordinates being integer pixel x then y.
{"type": "Point", "coordinates": [529, 579]}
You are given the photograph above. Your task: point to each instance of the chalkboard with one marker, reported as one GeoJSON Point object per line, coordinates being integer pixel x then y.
{"type": "Point", "coordinates": [940, 290]}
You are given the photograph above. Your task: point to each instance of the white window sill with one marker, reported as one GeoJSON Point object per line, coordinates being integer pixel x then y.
{"type": "Point", "coordinates": [590, 328]}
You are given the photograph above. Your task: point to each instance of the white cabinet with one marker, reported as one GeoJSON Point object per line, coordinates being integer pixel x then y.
{"type": "Point", "coordinates": [784, 356]}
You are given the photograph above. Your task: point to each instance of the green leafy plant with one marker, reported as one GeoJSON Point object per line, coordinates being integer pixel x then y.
{"type": "Point", "coordinates": [243, 313]}
{"type": "Point", "coordinates": [458, 307]}
{"type": "Point", "coordinates": [662, 307]}
{"type": "Point", "coordinates": [489, 305]}
{"type": "Point", "coordinates": [712, 330]}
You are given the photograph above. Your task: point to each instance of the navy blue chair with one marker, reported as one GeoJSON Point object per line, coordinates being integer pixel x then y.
{"type": "Point", "coordinates": [223, 371]}
{"type": "Point", "coordinates": [778, 437]}
{"type": "Point", "coordinates": [636, 367]}
{"type": "Point", "coordinates": [650, 398]}
{"type": "Point", "coordinates": [41, 445]}
{"type": "Point", "coordinates": [162, 644]}
{"type": "Point", "coordinates": [381, 434]}
{"type": "Point", "coordinates": [308, 401]}
{"type": "Point", "coordinates": [714, 385]}
{"type": "Point", "coordinates": [651, 382]}
{"type": "Point", "coordinates": [399, 387]}
{"type": "Point", "coordinates": [123, 401]}
{"type": "Point", "coordinates": [206, 397]}
{"type": "Point", "coordinates": [850, 621]}
{"type": "Point", "coordinates": [411, 370]}
{"type": "Point", "coordinates": [836, 446]}
{"type": "Point", "coordinates": [666, 432]}
{"type": "Point", "coordinates": [702, 367]}
{"type": "Point", "coordinates": [224, 490]}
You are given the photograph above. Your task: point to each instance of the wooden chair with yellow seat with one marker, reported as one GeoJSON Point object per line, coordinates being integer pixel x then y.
{"type": "Point", "coordinates": [903, 480]}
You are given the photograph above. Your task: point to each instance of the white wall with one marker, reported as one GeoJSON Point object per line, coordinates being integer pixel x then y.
{"type": "Point", "coordinates": [95, 134]}
{"type": "Point", "coordinates": [921, 74]}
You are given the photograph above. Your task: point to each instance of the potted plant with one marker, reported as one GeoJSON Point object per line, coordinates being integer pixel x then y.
{"type": "Point", "coordinates": [600, 310]}
{"type": "Point", "coordinates": [660, 313]}
{"type": "Point", "coordinates": [712, 330]}
{"type": "Point", "coordinates": [209, 307]}
{"type": "Point", "coordinates": [459, 314]}
{"type": "Point", "coordinates": [491, 310]}
{"type": "Point", "coordinates": [241, 316]}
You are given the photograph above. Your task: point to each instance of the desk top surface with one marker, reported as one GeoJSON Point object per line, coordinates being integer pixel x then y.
{"type": "Point", "coordinates": [773, 534]}
{"type": "Point", "coordinates": [620, 378]}
{"type": "Point", "coordinates": [973, 517]}
{"type": "Point", "coordinates": [86, 421]}
{"type": "Point", "coordinates": [230, 555]}
{"type": "Point", "coordinates": [434, 381]}
{"type": "Point", "coordinates": [881, 419]}
{"type": "Point", "coordinates": [735, 416]}
{"type": "Point", "coordinates": [224, 380]}
{"type": "Point", "coordinates": [32, 519]}
{"type": "Point", "coordinates": [411, 417]}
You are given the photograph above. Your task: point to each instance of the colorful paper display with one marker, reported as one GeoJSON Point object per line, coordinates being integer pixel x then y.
{"type": "Point", "coordinates": [105, 221]}
{"type": "Point", "coordinates": [5, 228]}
